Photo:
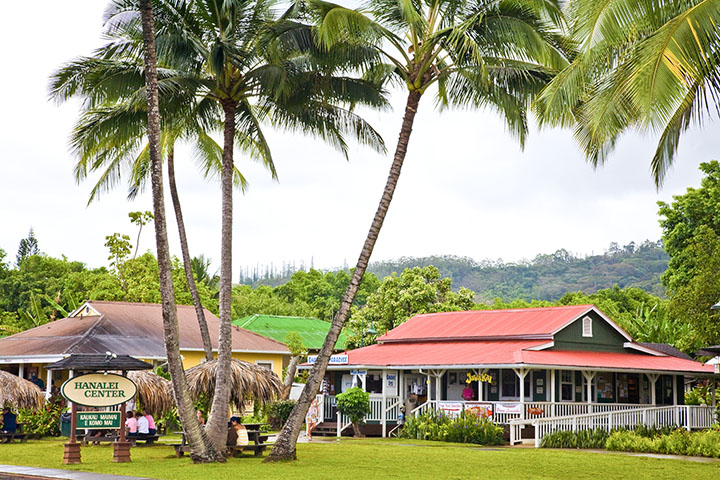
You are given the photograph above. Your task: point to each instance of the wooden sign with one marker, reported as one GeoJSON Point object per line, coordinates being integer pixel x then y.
{"type": "Point", "coordinates": [98, 420]}
{"type": "Point", "coordinates": [99, 389]}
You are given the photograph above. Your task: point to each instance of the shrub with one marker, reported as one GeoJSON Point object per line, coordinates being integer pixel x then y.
{"type": "Point", "coordinates": [705, 443]}
{"type": "Point", "coordinates": [466, 428]}
{"type": "Point", "coordinates": [43, 422]}
{"type": "Point", "coordinates": [581, 439]}
{"type": "Point", "coordinates": [627, 441]}
{"type": "Point", "coordinates": [278, 413]}
{"type": "Point", "coordinates": [355, 403]}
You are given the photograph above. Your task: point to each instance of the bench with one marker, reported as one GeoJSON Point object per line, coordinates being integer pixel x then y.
{"type": "Point", "coordinates": [256, 448]}
{"type": "Point", "coordinates": [10, 437]}
{"type": "Point", "coordinates": [148, 439]}
{"type": "Point", "coordinates": [88, 439]}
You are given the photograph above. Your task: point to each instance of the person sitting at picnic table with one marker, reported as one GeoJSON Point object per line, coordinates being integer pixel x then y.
{"type": "Point", "coordinates": [143, 426]}
{"type": "Point", "coordinates": [200, 417]}
{"type": "Point", "coordinates": [132, 424]}
{"type": "Point", "coordinates": [152, 429]}
{"type": "Point", "coordinates": [237, 433]}
{"type": "Point", "coordinates": [9, 421]}
{"type": "Point", "coordinates": [94, 435]}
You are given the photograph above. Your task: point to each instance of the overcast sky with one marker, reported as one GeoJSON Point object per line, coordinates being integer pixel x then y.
{"type": "Point", "coordinates": [466, 189]}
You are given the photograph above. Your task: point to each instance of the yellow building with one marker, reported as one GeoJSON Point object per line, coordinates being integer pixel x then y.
{"type": "Point", "coordinates": [125, 328]}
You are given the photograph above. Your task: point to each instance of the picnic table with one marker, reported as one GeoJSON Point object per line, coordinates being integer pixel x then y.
{"type": "Point", "coordinates": [9, 437]}
{"type": "Point", "coordinates": [256, 438]}
{"type": "Point", "coordinates": [113, 437]}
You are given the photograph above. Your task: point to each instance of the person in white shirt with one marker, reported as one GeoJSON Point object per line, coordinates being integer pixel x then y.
{"type": "Point", "coordinates": [143, 424]}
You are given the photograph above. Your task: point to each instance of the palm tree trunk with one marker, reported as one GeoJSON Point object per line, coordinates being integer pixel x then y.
{"type": "Point", "coordinates": [284, 448]}
{"type": "Point", "coordinates": [201, 450]}
{"type": "Point", "coordinates": [202, 323]}
{"type": "Point", "coordinates": [217, 423]}
{"type": "Point", "coordinates": [290, 376]}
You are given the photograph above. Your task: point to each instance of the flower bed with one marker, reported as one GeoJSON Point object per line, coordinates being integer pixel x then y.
{"type": "Point", "coordinates": [465, 428]}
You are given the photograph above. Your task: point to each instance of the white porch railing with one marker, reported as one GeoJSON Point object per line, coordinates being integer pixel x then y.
{"type": "Point", "coordinates": [535, 410]}
{"type": "Point", "coordinates": [683, 416]}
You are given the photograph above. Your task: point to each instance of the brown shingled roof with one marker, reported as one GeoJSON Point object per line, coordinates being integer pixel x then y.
{"type": "Point", "coordinates": [126, 328]}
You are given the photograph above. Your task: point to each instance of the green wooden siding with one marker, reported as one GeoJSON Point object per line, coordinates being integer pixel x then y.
{"type": "Point", "coordinates": [494, 396]}
{"type": "Point", "coordinates": [604, 337]}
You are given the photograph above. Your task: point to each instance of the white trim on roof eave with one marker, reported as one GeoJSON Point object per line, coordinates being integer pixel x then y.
{"type": "Point", "coordinates": [593, 308]}
{"type": "Point", "coordinates": [643, 349]}
{"type": "Point", "coordinates": [276, 352]}
{"type": "Point", "coordinates": [6, 359]}
{"type": "Point", "coordinates": [514, 365]}
{"type": "Point", "coordinates": [543, 346]}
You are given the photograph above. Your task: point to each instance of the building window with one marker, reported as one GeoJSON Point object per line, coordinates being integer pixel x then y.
{"type": "Point", "coordinates": [587, 327]}
{"type": "Point", "coordinates": [567, 386]}
{"type": "Point", "coordinates": [509, 384]}
{"type": "Point", "coordinates": [268, 365]}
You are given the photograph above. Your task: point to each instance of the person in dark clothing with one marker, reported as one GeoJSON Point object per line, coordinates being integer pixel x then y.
{"type": "Point", "coordinates": [9, 421]}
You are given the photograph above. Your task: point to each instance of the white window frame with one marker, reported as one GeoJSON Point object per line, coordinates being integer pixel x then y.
{"type": "Point", "coordinates": [587, 330]}
{"type": "Point", "coordinates": [571, 382]}
{"type": "Point", "coordinates": [262, 363]}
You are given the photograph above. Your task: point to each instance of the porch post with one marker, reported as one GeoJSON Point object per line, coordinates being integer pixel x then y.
{"type": "Point", "coordinates": [653, 378]}
{"type": "Point", "coordinates": [383, 414]}
{"type": "Point", "coordinates": [429, 389]}
{"type": "Point", "coordinates": [481, 386]}
{"type": "Point", "coordinates": [589, 377]}
{"type": "Point", "coordinates": [438, 386]}
{"type": "Point", "coordinates": [48, 384]}
{"type": "Point", "coordinates": [552, 392]}
{"type": "Point", "coordinates": [21, 370]}
{"type": "Point", "coordinates": [522, 373]}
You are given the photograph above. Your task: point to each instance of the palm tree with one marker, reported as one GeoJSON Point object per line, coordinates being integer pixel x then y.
{"type": "Point", "coordinates": [642, 65]}
{"type": "Point", "coordinates": [238, 66]}
{"type": "Point", "coordinates": [475, 53]}
{"type": "Point", "coordinates": [202, 449]}
{"type": "Point", "coordinates": [110, 134]}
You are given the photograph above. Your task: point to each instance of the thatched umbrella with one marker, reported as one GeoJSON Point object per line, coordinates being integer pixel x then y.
{"type": "Point", "coordinates": [154, 392]}
{"type": "Point", "coordinates": [18, 392]}
{"type": "Point", "coordinates": [247, 381]}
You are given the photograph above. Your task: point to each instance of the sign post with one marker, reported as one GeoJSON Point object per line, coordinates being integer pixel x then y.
{"type": "Point", "coordinates": [98, 390]}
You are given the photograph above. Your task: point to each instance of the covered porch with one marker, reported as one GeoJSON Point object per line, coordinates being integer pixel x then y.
{"type": "Point", "coordinates": [506, 395]}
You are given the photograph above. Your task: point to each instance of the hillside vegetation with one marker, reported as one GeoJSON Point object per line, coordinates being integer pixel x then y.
{"type": "Point", "coordinates": [547, 277]}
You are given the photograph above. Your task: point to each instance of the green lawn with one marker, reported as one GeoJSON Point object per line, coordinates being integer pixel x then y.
{"type": "Point", "coordinates": [370, 458]}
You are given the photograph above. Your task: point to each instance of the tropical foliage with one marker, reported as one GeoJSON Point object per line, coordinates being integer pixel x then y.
{"type": "Point", "coordinates": [644, 65]}
{"type": "Point", "coordinates": [464, 428]}
{"type": "Point", "coordinates": [414, 291]}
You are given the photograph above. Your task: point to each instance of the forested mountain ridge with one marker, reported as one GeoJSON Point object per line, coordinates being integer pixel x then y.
{"type": "Point", "coordinates": [547, 277]}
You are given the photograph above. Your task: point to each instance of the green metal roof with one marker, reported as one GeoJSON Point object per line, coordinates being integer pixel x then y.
{"type": "Point", "coordinates": [312, 330]}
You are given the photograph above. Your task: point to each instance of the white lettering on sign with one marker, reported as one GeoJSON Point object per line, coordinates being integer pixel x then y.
{"type": "Point", "coordinates": [334, 359]}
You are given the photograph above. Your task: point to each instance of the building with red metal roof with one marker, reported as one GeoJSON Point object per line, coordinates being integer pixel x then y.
{"type": "Point", "coordinates": [551, 360]}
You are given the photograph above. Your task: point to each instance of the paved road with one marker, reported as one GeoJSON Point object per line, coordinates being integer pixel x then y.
{"type": "Point", "coordinates": [15, 472]}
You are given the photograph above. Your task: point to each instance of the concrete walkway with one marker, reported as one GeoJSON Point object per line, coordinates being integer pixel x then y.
{"type": "Point", "coordinates": [14, 471]}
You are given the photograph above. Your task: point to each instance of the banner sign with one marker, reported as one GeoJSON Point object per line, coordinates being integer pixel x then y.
{"type": "Point", "coordinates": [99, 389]}
{"type": "Point", "coordinates": [479, 409]}
{"type": "Point", "coordinates": [98, 420]}
{"type": "Point", "coordinates": [508, 408]}
{"type": "Point", "coordinates": [358, 372]}
{"type": "Point", "coordinates": [334, 359]}
{"type": "Point", "coordinates": [450, 409]}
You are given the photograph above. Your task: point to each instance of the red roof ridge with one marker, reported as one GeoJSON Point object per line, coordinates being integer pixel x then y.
{"type": "Point", "coordinates": [509, 310]}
